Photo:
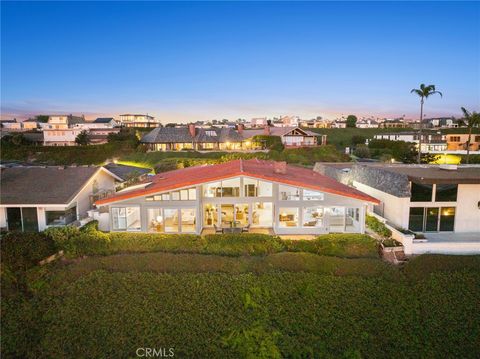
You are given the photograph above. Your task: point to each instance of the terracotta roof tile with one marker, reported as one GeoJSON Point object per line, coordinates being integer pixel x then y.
{"type": "Point", "coordinates": [295, 176]}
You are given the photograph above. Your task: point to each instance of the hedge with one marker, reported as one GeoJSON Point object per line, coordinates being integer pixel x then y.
{"type": "Point", "coordinates": [77, 243]}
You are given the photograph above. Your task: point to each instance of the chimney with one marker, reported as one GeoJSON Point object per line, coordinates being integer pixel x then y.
{"type": "Point", "coordinates": [240, 128]}
{"type": "Point", "coordinates": [191, 129]}
{"type": "Point", "coordinates": [280, 167]}
{"type": "Point", "coordinates": [266, 130]}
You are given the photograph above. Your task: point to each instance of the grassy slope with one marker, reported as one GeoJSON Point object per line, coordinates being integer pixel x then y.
{"type": "Point", "coordinates": [306, 305]}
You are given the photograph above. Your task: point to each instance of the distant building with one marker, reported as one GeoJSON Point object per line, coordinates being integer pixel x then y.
{"type": "Point", "coordinates": [368, 123]}
{"type": "Point", "coordinates": [396, 123]}
{"type": "Point", "coordinates": [431, 142]}
{"type": "Point", "coordinates": [258, 122]}
{"type": "Point", "coordinates": [316, 123]}
{"type": "Point", "coordinates": [339, 124]}
{"type": "Point", "coordinates": [11, 125]}
{"type": "Point", "coordinates": [138, 120]}
{"type": "Point", "coordinates": [61, 122]}
{"type": "Point", "coordinates": [458, 142]}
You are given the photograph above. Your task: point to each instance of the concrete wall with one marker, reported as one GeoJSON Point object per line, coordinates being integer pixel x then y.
{"type": "Point", "coordinates": [394, 209]}
{"type": "Point", "coordinates": [467, 216]}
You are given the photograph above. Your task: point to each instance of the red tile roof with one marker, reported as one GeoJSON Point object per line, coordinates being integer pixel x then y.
{"type": "Point", "coordinates": [190, 176]}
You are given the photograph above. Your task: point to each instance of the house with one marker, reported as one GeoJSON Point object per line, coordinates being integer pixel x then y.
{"type": "Point", "coordinates": [432, 142]}
{"type": "Point", "coordinates": [316, 123]}
{"type": "Point", "coordinates": [128, 174]}
{"type": "Point", "coordinates": [339, 124]}
{"type": "Point", "coordinates": [138, 120]}
{"type": "Point", "coordinates": [30, 125]}
{"type": "Point", "coordinates": [442, 122]}
{"type": "Point", "coordinates": [62, 130]}
{"type": "Point", "coordinates": [396, 123]}
{"type": "Point", "coordinates": [442, 203]}
{"type": "Point", "coordinates": [192, 138]}
{"type": "Point", "coordinates": [458, 142]}
{"type": "Point", "coordinates": [368, 123]}
{"type": "Point", "coordinates": [258, 122]}
{"type": "Point", "coordinates": [290, 136]}
{"type": "Point", "coordinates": [62, 122]}
{"type": "Point", "coordinates": [101, 122]}
{"type": "Point", "coordinates": [238, 194]}
{"type": "Point", "coordinates": [35, 198]}
{"type": "Point", "coordinates": [11, 125]}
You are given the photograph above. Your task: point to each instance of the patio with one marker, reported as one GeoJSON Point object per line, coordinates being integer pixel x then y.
{"type": "Point", "coordinates": [448, 243]}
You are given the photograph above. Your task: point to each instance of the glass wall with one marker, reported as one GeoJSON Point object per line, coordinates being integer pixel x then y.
{"type": "Point", "coordinates": [446, 193]}
{"type": "Point", "coordinates": [337, 219]}
{"type": "Point", "coordinates": [188, 194]}
{"type": "Point", "coordinates": [313, 217]}
{"type": "Point", "coordinates": [288, 193]}
{"type": "Point", "coordinates": [415, 222]}
{"type": "Point", "coordinates": [257, 188]}
{"type": "Point", "coordinates": [155, 220]}
{"type": "Point", "coordinates": [262, 214]}
{"type": "Point", "coordinates": [210, 214]}
{"type": "Point", "coordinates": [187, 216]}
{"type": "Point", "coordinates": [171, 220]}
{"type": "Point", "coordinates": [312, 195]}
{"type": "Point", "coordinates": [431, 220]}
{"type": "Point", "coordinates": [288, 217]}
{"type": "Point", "coordinates": [447, 219]}
{"type": "Point", "coordinates": [421, 192]}
{"type": "Point", "coordinates": [226, 188]}
{"type": "Point", "coordinates": [241, 214]}
{"type": "Point", "coordinates": [126, 218]}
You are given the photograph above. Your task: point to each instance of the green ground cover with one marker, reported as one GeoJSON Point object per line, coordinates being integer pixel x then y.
{"type": "Point", "coordinates": [252, 303]}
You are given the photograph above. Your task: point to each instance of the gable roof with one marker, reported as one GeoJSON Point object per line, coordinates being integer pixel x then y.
{"type": "Point", "coordinates": [43, 185]}
{"type": "Point", "coordinates": [277, 131]}
{"type": "Point", "coordinates": [190, 176]}
{"type": "Point", "coordinates": [124, 171]}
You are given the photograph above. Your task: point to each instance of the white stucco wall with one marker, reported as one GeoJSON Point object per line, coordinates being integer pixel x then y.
{"type": "Point", "coordinates": [395, 209]}
{"type": "Point", "coordinates": [3, 217]}
{"type": "Point", "coordinates": [102, 181]}
{"type": "Point", "coordinates": [467, 216]}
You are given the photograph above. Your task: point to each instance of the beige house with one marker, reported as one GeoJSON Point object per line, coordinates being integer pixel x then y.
{"type": "Point", "coordinates": [35, 198]}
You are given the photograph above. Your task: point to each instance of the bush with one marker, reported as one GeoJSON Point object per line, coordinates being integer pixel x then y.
{"type": "Point", "coordinates": [378, 227]}
{"type": "Point", "coordinates": [340, 245]}
{"type": "Point", "coordinates": [22, 251]}
{"type": "Point", "coordinates": [362, 151]}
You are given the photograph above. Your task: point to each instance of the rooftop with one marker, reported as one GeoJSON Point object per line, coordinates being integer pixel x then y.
{"type": "Point", "coordinates": [43, 185]}
{"type": "Point", "coordinates": [103, 120]}
{"type": "Point", "coordinates": [295, 176]}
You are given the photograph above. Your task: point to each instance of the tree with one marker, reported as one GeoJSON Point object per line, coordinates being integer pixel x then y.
{"type": "Point", "coordinates": [82, 138]}
{"type": "Point", "coordinates": [351, 121]}
{"type": "Point", "coordinates": [358, 140]}
{"type": "Point", "coordinates": [470, 119]}
{"type": "Point", "coordinates": [423, 92]}
{"type": "Point", "coordinates": [42, 118]}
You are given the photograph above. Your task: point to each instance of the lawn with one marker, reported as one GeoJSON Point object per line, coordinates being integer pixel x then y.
{"type": "Point", "coordinates": [263, 302]}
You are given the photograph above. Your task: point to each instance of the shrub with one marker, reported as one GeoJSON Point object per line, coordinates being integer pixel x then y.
{"type": "Point", "coordinates": [378, 227]}
{"type": "Point", "coordinates": [243, 244]}
{"type": "Point", "coordinates": [22, 251]}
{"type": "Point", "coordinates": [362, 151]}
{"type": "Point", "coordinates": [341, 245]}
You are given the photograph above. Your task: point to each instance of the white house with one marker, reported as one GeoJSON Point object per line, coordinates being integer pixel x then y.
{"type": "Point", "coordinates": [35, 198]}
{"type": "Point", "coordinates": [236, 196]}
{"type": "Point", "coordinates": [368, 123]}
{"type": "Point", "coordinates": [138, 120]}
{"type": "Point", "coordinates": [442, 203]}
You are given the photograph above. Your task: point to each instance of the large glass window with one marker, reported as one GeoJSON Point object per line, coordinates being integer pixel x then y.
{"type": "Point", "coordinates": [210, 214]}
{"type": "Point", "coordinates": [447, 219]}
{"type": "Point", "coordinates": [431, 219]}
{"type": "Point", "coordinates": [313, 217]}
{"type": "Point", "coordinates": [188, 220]}
{"type": "Point", "coordinates": [155, 220]}
{"type": "Point", "coordinates": [231, 187]}
{"type": "Point", "coordinates": [262, 214]}
{"type": "Point", "coordinates": [213, 189]}
{"type": "Point", "coordinates": [288, 193]}
{"type": "Point", "coordinates": [257, 188]}
{"type": "Point", "coordinates": [126, 218]}
{"type": "Point", "coordinates": [189, 194]}
{"type": "Point", "coordinates": [415, 222]}
{"type": "Point", "coordinates": [337, 218]}
{"type": "Point", "coordinates": [30, 220]}
{"type": "Point", "coordinates": [313, 195]}
{"type": "Point", "coordinates": [421, 192]}
{"type": "Point", "coordinates": [171, 220]}
{"type": "Point", "coordinates": [446, 193]}
{"type": "Point", "coordinates": [288, 217]}
{"type": "Point", "coordinates": [60, 218]}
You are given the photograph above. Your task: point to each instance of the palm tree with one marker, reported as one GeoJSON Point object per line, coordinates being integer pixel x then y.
{"type": "Point", "coordinates": [470, 119]}
{"type": "Point", "coordinates": [423, 92]}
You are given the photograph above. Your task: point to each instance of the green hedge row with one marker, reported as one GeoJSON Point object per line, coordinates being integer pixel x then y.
{"type": "Point", "coordinates": [89, 241]}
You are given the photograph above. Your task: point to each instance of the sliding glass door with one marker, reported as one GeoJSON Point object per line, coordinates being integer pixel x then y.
{"type": "Point", "coordinates": [432, 219]}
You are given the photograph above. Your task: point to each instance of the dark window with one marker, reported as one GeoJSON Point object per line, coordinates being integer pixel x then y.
{"type": "Point", "coordinates": [415, 222]}
{"type": "Point", "coordinates": [446, 193]}
{"type": "Point", "coordinates": [60, 218]}
{"type": "Point", "coordinates": [30, 221]}
{"type": "Point", "coordinates": [447, 219]}
{"type": "Point", "coordinates": [14, 219]}
{"type": "Point", "coordinates": [431, 220]}
{"type": "Point", "coordinates": [421, 192]}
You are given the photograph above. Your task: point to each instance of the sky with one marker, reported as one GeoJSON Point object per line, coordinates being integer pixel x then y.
{"type": "Point", "coordinates": [182, 61]}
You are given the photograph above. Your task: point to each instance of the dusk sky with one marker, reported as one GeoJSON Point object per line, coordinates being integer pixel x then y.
{"type": "Point", "coordinates": [199, 61]}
